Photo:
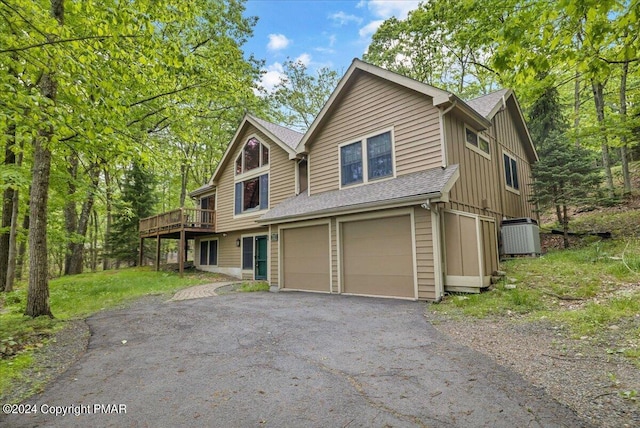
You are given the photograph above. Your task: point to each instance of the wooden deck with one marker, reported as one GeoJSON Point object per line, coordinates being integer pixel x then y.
{"type": "Point", "coordinates": [182, 224]}
{"type": "Point", "coordinates": [170, 224]}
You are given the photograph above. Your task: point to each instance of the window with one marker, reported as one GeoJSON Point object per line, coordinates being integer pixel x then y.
{"type": "Point", "coordinates": [511, 172]}
{"type": "Point", "coordinates": [252, 181]}
{"type": "Point", "coordinates": [254, 155]}
{"type": "Point", "coordinates": [351, 163]}
{"type": "Point", "coordinates": [209, 253]}
{"type": "Point", "coordinates": [378, 163]}
{"type": "Point", "coordinates": [247, 252]}
{"type": "Point", "coordinates": [476, 142]}
{"type": "Point", "coordinates": [252, 194]}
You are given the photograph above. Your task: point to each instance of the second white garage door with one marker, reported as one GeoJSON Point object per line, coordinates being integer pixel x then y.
{"type": "Point", "coordinates": [377, 257]}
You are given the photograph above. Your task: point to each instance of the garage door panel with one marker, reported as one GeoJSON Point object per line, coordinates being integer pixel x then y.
{"type": "Point", "coordinates": [377, 257]}
{"type": "Point", "coordinates": [305, 258]}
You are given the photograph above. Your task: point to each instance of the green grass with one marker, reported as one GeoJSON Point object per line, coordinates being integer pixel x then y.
{"type": "Point", "coordinates": [73, 297]}
{"type": "Point", "coordinates": [586, 289]}
{"type": "Point", "coordinates": [249, 287]}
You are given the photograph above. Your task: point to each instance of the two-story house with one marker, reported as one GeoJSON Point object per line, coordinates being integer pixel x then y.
{"type": "Point", "coordinates": [397, 190]}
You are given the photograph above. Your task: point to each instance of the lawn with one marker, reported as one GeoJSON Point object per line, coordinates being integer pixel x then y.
{"type": "Point", "coordinates": [593, 290]}
{"type": "Point", "coordinates": [74, 297]}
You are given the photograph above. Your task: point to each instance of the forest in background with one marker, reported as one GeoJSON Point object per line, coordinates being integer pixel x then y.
{"type": "Point", "coordinates": [111, 111]}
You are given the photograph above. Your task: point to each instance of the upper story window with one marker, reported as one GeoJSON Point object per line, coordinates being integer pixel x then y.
{"type": "Point", "coordinates": [477, 142]}
{"type": "Point", "coordinates": [254, 155]}
{"type": "Point", "coordinates": [251, 185]}
{"type": "Point", "coordinates": [511, 173]}
{"type": "Point", "coordinates": [366, 160]}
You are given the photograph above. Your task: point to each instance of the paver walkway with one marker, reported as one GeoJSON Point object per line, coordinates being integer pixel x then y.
{"type": "Point", "coordinates": [199, 291]}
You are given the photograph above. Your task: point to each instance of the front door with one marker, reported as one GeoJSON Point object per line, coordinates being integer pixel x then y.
{"type": "Point", "coordinates": [261, 258]}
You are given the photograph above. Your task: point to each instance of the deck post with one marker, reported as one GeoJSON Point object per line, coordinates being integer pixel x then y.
{"type": "Point", "coordinates": [141, 252]}
{"type": "Point", "coordinates": [181, 252]}
{"type": "Point", "coordinates": [158, 254]}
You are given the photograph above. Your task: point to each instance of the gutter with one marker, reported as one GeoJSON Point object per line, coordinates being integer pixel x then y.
{"type": "Point", "coordinates": [443, 145]}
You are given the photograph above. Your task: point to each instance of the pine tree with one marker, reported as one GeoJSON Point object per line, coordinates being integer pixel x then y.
{"type": "Point", "coordinates": [565, 174]}
{"type": "Point", "coordinates": [137, 202]}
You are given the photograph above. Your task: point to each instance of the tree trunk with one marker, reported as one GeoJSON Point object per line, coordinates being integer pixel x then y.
{"type": "Point", "coordinates": [559, 214]}
{"type": "Point", "coordinates": [184, 171]}
{"type": "Point", "coordinates": [7, 208]}
{"type": "Point", "coordinates": [22, 248]}
{"type": "Point", "coordinates": [75, 260]}
{"type": "Point", "coordinates": [70, 213]}
{"type": "Point", "coordinates": [598, 97]}
{"type": "Point", "coordinates": [624, 157]}
{"type": "Point", "coordinates": [576, 107]}
{"type": "Point", "coordinates": [38, 291]}
{"type": "Point", "coordinates": [565, 226]}
{"type": "Point", "coordinates": [13, 236]}
{"type": "Point", "coordinates": [107, 229]}
{"type": "Point", "coordinates": [94, 241]}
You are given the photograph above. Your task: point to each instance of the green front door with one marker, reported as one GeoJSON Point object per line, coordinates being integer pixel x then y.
{"type": "Point", "coordinates": [261, 258]}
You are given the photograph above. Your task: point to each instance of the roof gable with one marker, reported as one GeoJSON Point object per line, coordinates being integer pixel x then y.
{"type": "Point", "coordinates": [489, 105]}
{"type": "Point", "coordinates": [440, 97]}
{"type": "Point", "coordinates": [285, 138]}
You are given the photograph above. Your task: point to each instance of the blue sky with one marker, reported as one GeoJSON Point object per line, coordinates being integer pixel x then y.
{"type": "Point", "coordinates": [317, 32]}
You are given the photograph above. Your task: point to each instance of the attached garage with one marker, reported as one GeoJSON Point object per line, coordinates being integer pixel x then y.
{"type": "Point", "coordinates": [305, 261]}
{"type": "Point", "coordinates": [377, 257]}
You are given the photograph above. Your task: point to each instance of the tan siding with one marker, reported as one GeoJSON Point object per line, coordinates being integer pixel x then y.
{"type": "Point", "coordinates": [481, 178]}
{"type": "Point", "coordinates": [273, 258]}
{"type": "Point", "coordinates": [371, 104]}
{"type": "Point", "coordinates": [281, 183]}
{"type": "Point", "coordinates": [334, 258]}
{"type": "Point", "coordinates": [510, 141]}
{"type": "Point", "coordinates": [228, 253]}
{"type": "Point", "coordinates": [424, 254]}
{"type": "Point", "coordinates": [282, 176]}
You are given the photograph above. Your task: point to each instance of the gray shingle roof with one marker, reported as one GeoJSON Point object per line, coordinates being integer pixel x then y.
{"type": "Point", "coordinates": [288, 136]}
{"type": "Point", "coordinates": [417, 184]}
{"type": "Point", "coordinates": [485, 104]}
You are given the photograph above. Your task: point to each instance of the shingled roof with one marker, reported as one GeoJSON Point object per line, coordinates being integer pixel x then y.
{"type": "Point", "coordinates": [486, 103]}
{"type": "Point", "coordinates": [288, 136]}
{"type": "Point", "coordinates": [410, 187]}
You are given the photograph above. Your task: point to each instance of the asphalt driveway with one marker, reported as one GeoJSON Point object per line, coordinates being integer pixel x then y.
{"type": "Point", "coordinates": [284, 360]}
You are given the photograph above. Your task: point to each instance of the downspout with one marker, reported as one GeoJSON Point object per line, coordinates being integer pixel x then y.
{"type": "Point", "coordinates": [443, 145]}
{"type": "Point", "coordinates": [437, 251]}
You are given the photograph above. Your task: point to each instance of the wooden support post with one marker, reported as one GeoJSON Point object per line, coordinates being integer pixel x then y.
{"type": "Point", "coordinates": [141, 252]}
{"type": "Point", "coordinates": [158, 254]}
{"type": "Point", "coordinates": [181, 252]}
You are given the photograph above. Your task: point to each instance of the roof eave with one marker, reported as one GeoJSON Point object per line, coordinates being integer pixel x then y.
{"type": "Point", "coordinates": [409, 200]}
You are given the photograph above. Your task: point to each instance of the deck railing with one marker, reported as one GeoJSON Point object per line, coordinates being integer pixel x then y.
{"type": "Point", "coordinates": [182, 218]}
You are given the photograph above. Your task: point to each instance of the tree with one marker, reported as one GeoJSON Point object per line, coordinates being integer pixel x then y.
{"type": "Point", "coordinates": [100, 80]}
{"type": "Point", "coordinates": [565, 174]}
{"type": "Point", "coordinates": [299, 97]}
{"type": "Point", "coordinates": [137, 202]}
{"type": "Point", "coordinates": [442, 43]}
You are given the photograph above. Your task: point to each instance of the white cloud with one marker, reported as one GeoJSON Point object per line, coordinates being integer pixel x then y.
{"type": "Point", "coordinates": [387, 8]}
{"type": "Point", "coordinates": [273, 75]}
{"type": "Point", "coordinates": [277, 42]}
{"type": "Point", "coordinates": [332, 40]}
{"type": "Point", "coordinates": [342, 18]}
{"type": "Point", "coordinates": [305, 59]}
{"type": "Point", "coordinates": [370, 28]}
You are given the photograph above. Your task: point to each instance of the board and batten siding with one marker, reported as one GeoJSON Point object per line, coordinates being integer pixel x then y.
{"type": "Point", "coordinates": [511, 141]}
{"type": "Point", "coordinates": [281, 183]}
{"type": "Point", "coordinates": [369, 105]}
{"type": "Point", "coordinates": [481, 188]}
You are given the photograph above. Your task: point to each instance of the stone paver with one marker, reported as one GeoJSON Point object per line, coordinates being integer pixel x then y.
{"type": "Point", "coordinates": [199, 291]}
